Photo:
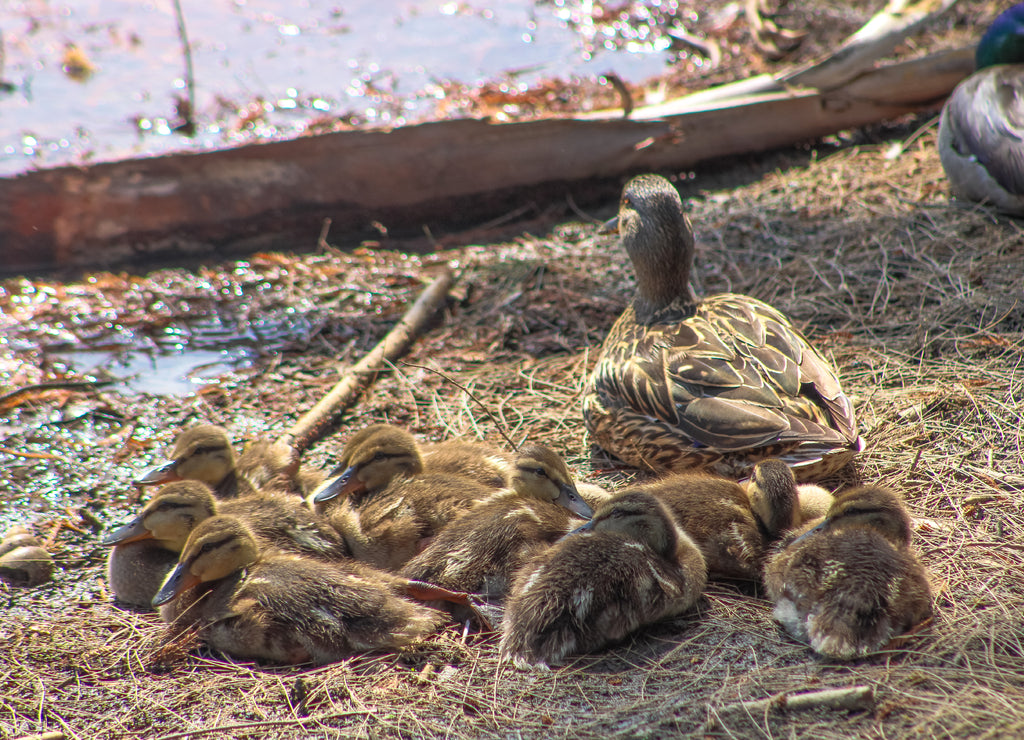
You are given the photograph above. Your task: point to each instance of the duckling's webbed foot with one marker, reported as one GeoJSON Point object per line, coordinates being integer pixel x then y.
{"type": "Point", "coordinates": [423, 591]}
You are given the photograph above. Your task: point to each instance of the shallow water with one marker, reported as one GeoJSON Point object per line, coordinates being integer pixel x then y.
{"type": "Point", "coordinates": [269, 68]}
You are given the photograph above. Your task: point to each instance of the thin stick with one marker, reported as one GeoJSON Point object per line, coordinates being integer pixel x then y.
{"type": "Point", "coordinates": [54, 735]}
{"type": "Point", "coordinates": [457, 384]}
{"type": "Point", "coordinates": [855, 697]}
{"type": "Point", "coordinates": [313, 425]}
{"type": "Point", "coordinates": [190, 79]}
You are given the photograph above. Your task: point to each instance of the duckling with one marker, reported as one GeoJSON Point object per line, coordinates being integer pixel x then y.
{"type": "Point", "coordinates": [487, 466]}
{"type": "Point", "coordinates": [24, 561]}
{"type": "Point", "coordinates": [716, 383]}
{"type": "Point", "coordinates": [779, 503]}
{"type": "Point", "coordinates": [628, 567]}
{"type": "Point", "coordinates": [380, 453]}
{"type": "Point", "coordinates": [146, 548]}
{"type": "Point", "coordinates": [851, 583]}
{"type": "Point", "coordinates": [981, 131]}
{"type": "Point", "coordinates": [202, 453]}
{"type": "Point", "coordinates": [388, 508]}
{"type": "Point", "coordinates": [285, 608]}
{"type": "Point", "coordinates": [716, 514]}
{"type": "Point", "coordinates": [481, 550]}
{"type": "Point", "coordinates": [267, 464]}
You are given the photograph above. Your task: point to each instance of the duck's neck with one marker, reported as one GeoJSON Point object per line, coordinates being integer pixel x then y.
{"type": "Point", "coordinates": [663, 270]}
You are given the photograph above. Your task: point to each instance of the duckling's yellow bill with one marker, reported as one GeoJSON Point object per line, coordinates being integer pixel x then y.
{"type": "Point", "coordinates": [164, 473]}
{"type": "Point", "coordinates": [821, 527]}
{"type": "Point", "coordinates": [178, 581]}
{"type": "Point", "coordinates": [133, 531]}
{"type": "Point", "coordinates": [570, 498]}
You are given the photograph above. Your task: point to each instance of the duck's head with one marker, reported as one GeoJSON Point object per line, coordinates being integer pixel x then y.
{"type": "Point", "coordinates": [639, 517]}
{"type": "Point", "coordinates": [1003, 42]}
{"type": "Point", "coordinates": [868, 506]}
{"type": "Point", "coordinates": [659, 239]}
{"type": "Point", "coordinates": [202, 453]}
{"type": "Point", "coordinates": [372, 459]}
{"type": "Point", "coordinates": [541, 473]}
{"type": "Point", "coordinates": [773, 495]}
{"type": "Point", "coordinates": [169, 517]}
{"type": "Point", "coordinates": [218, 547]}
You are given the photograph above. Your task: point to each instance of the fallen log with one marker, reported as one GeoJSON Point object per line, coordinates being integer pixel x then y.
{"type": "Point", "coordinates": [442, 175]}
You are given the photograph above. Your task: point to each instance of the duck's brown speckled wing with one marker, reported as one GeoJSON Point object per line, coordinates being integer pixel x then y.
{"type": "Point", "coordinates": [728, 384]}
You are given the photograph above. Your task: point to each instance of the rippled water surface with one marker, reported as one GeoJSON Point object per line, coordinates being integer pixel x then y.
{"type": "Point", "coordinates": [90, 80]}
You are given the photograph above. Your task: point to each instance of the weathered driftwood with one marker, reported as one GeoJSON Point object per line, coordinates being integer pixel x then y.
{"type": "Point", "coordinates": [314, 423]}
{"type": "Point", "coordinates": [446, 174]}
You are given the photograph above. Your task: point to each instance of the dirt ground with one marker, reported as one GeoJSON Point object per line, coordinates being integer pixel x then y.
{"type": "Point", "coordinates": [917, 300]}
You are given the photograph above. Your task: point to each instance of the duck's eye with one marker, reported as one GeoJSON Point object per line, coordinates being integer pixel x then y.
{"type": "Point", "coordinates": [208, 547]}
{"type": "Point", "coordinates": [378, 456]}
{"type": "Point", "coordinates": [206, 450]}
{"type": "Point", "coordinates": [541, 472]}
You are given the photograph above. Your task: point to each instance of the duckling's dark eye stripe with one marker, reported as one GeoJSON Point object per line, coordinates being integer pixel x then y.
{"type": "Point", "coordinates": [169, 505]}
{"type": "Point", "coordinates": [206, 450]}
{"type": "Point", "coordinates": [211, 546]}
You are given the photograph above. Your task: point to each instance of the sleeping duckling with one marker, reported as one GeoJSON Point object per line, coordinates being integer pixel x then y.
{"type": "Point", "coordinates": [486, 465]}
{"type": "Point", "coordinates": [717, 383]}
{"type": "Point", "coordinates": [628, 567]}
{"type": "Point", "coordinates": [202, 453]}
{"type": "Point", "coordinates": [267, 464]}
{"type": "Point", "coordinates": [779, 502]}
{"type": "Point", "coordinates": [716, 513]}
{"type": "Point", "coordinates": [285, 608]}
{"type": "Point", "coordinates": [981, 132]}
{"type": "Point", "coordinates": [388, 509]}
{"type": "Point", "coordinates": [851, 583]}
{"type": "Point", "coordinates": [146, 548]}
{"type": "Point", "coordinates": [481, 551]}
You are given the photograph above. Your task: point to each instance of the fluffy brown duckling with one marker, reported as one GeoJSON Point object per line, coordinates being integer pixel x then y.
{"type": "Point", "coordinates": [204, 453]}
{"type": "Point", "coordinates": [850, 584]}
{"type": "Point", "coordinates": [375, 456]}
{"type": "Point", "coordinates": [715, 383]}
{"type": "Point", "coordinates": [628, 567]}
{"type": "Point", "coordinates": [716, 513]}
{"type": "Point", "coordinates": [481, 551]}
{"type": "Point", "coordinates": [285, 608]}
{"type": "Point", "coordinates": [24, 562]}
{"type": "Point", "coordinates": [779, 502]}
{"type": "Point", "coordinates": [388, 508]}
{"type": "Point", "coordinates": [146, 548]}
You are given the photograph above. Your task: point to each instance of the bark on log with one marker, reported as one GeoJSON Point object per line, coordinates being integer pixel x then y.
{"type": "Point", "coordinates": [438, 176]}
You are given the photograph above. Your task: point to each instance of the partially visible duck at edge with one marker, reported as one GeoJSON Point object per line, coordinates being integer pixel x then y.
{"type": "Point", "coordinates": [981, 132]}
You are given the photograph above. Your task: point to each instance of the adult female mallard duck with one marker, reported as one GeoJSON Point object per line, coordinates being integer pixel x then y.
{"type": "Point", "coordinates": [285, 608]}
{"type": "Point", "coordinates": [146, 548]}
{"type": "Point", "coordinates": [204, 453]}
{"type": "Point", "coordinates": [628, 567]}
{"type": "Point", "coordinates": [981, 132]}
{"type": "Point", "coordinates": [481, 550]}
{"type": "Point", "coordinates": [850, 584]}
{"type": "Point", "coordinates": [719, 382]}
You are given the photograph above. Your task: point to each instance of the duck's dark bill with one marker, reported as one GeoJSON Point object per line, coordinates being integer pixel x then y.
{"type": "Point", "coordinates": [165, 473]}
{"type": "Point", "coordinates": [571, 499]}
{"type": "Point", "coordinates": [177, 581]}
{"type": "Point", "coordinates": [133, 531]}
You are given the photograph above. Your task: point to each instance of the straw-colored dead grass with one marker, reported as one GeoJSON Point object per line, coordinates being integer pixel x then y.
{"type": "Point", "coordinates": [919, 302]}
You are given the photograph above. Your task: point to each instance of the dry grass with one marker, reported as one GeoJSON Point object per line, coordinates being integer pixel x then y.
{"type": "Point", "coordinates": [919, 302]}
